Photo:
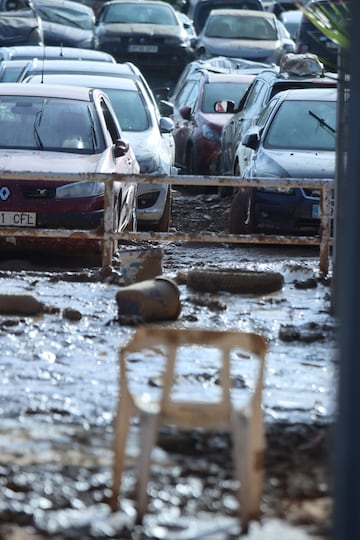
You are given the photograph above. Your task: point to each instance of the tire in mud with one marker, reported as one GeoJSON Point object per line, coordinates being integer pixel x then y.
{"type": "Point", "coordinates": [235, 281]}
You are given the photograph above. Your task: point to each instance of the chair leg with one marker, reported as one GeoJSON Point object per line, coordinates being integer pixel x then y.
{"type": "Point", "coordinates": [148, 426]}
{"type": "Point", "coordinates": [242, 465]}
{"type": "Point", "coordinates": [121, 433]}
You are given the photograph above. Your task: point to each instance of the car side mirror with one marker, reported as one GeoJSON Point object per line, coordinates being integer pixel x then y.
{"type": "Point", "coordinates": [121, 147]}
{"type": "Point", "coordinates": [166, 125]}
{"type": "Point", "coordinates": [224, 106]}
{"type": "Point", "coordinates": [185, 113]}
{"type": "Point", "coordinates": [251, 140]}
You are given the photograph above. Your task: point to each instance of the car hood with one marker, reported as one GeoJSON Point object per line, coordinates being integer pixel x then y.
{"type": "Point", "coordinates": [299, 164]}
{"type": "Point", "coordinates": [142, 29]}
{"type": "Point", "coordinates": [216, 119]}
{"type": "Point", "coordinates": [242, 48]}
{"type": "Point", "coordinates": [63, 32]}
{"type": "Point", "coordinates": [25, 161]}
{"type": "Point", "coordinates": [11, 26]}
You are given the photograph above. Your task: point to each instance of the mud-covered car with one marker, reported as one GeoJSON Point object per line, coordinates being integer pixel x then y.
{"type": "Point", "coordinates": [149, 134]}
{"type": "Point", "coordinates": [145, 32]}
{"type": "Point", "coordinates": [61, 129]}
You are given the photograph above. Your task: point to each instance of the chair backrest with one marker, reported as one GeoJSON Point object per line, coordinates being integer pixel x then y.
{"type": "Point", "coordinates": [189, 412]}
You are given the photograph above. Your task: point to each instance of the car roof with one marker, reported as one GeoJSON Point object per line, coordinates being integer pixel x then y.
{"type": "Point", "coordinates": [211, 76]}
{"type": "Point", "coordinates": [81, 93]}
{"type": "Point", "coordinates": [52, 51]}
{"type": "Point", "coordinates": [80, 66]}
{"type": "Point", "coordinates": [90, 81]}
{"type": "Point", "coordinates": [310, 94]}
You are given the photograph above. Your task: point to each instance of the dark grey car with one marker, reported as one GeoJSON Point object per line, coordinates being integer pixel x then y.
{"type": "Point", "coordinates": [145, 32]}
{"type": "Point", "coordinates": [19, 23]}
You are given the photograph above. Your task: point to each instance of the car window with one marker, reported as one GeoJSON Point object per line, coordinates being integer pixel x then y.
{"type": "Point", "coordinates": [307, 125]}
{"type": "Point", "coordinates": [263, 117]}
{"type": "Point", "coordinates": [66, 16]}
{"type": "Point", "coordinates": [129, 108]}
{"type": "Point", "coordinates": [222, 91]}
{"type": "Point", "coordinates": [187, 95]}
{"type": "Point", "coordinates": [257, 89]}
{"type": "Point", "coordinates": [111, 126]}
{"type": "Point", "coordinates": [152, 14]}
{"type": "Point", "coordinates": [47, 124]}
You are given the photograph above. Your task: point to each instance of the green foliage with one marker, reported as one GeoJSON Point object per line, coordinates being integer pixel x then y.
{"type": "Point", "coordinates": [331, 20]}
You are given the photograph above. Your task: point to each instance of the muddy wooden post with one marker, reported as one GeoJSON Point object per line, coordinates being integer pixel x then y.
{"type": "Point", "coordinates": [108, 238]}
{"type": "Point", "coordinates": [325, 226]}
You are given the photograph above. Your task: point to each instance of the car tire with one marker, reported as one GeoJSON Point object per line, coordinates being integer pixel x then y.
{"type": "Point", "coordinates": [242, 213]}
{"type": "Point", "coordinates": [234, 280]}
{"type": "Point", "coordinates": [163, 225]}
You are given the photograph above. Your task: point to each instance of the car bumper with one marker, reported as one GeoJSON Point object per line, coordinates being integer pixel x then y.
{"type": "Point", "coordinates": [151, 203]}
{"type": "Point", "coordinates": [288, 214]}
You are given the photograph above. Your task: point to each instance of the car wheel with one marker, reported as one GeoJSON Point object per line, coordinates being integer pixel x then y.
{"type": "Point", "coordinates": [163, 225]}
{"type": "Point", "coordinates": [242, 213]}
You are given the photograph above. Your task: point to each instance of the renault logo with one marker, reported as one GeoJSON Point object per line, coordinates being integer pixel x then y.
{"type": "Point", "coordinates": [4, 193]}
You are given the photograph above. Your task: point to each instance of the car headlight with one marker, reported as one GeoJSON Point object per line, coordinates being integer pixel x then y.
{"type": "Point", "coordinates": [79, 190]}
{"type": "Point", "coordinates": [209, 133]}
{"type": "Point", "coordinates": [149, 165]}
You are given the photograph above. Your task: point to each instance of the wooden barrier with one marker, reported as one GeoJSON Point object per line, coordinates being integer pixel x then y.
{"type": "Point", "coordinates": [107, 235]}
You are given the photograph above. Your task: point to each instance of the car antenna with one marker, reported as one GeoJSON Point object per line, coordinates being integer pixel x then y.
{"type": "Point", "coordinates": [42, 65]}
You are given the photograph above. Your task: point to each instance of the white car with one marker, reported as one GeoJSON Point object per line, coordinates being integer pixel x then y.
{"type": "Point", "coordinates": [149, 134]}
{"type": "Point", "coordinates": [55, 129]}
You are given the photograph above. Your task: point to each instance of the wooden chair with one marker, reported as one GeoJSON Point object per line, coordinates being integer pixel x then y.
{"type": "Point", "coordinates": [245, 424]}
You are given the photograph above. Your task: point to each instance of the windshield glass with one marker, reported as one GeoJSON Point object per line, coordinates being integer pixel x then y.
{"type": "Point", "coordinates": [222, 91]}
{"type": "Point", "coordinates": [241, 27]}
{"type": "Point", "coordinates": [66, 16]}
{"type": "Point", "coordinates": [307, 125]}
{"type": "Point", "coordinates": [129, 108]}
{"type": "Point", "coordinates": [52, 124]}
{"type": "Point", "coordinates": [151, 14]}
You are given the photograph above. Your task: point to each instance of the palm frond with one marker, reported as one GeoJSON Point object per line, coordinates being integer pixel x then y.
{"type": "Point", "coordinates": [332, 21]}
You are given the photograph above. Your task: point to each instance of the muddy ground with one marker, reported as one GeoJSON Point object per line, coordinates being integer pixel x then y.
{"type": "Point", "coordinates": [58, 391]}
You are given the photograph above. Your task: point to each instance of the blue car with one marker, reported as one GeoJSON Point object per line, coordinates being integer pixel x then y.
{"type": "Point", "coordinates": [295, 136]}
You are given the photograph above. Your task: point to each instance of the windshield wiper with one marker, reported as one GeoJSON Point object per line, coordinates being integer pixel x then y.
{"type": "Point", "coordinates": [322, 122]}
{"type": "Point", "coordinates": [37, 123]}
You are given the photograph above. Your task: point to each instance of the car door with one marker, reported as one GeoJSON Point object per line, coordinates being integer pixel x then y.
{"type": "Point", "coordinates": [183, 116]}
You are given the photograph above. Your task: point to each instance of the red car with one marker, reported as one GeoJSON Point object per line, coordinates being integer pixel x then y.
{"type": "Point", "coordinates": [198, 122]}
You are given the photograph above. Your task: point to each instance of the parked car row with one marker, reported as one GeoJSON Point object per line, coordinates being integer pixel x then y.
{"type": "Point", "coordinates": [218, 118]}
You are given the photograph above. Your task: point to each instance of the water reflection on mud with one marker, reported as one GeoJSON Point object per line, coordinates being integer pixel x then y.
{"type": "Point", "coordinates": [59, 385]}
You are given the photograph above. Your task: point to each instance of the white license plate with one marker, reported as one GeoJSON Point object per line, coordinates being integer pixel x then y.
{"type": "Point", "coordinates": [143, 48]}
{"type": "Point", "coordinates": [17, 219]}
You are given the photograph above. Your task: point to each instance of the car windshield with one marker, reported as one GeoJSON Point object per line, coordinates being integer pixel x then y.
{"type": "Point", "coordinates": [53, 124]}
{"type": "Point", "coordinates": [242, 27]}
{"type": "Point", "coordinates": [231, 91]}
{"type": "Point", "coordinates": [66, 16]}
{"type": "Point", "coordinates": [303, 125]}
{"type": "Point", "coordinates": [129, 108]}
{"type": "Point", "coordinates": [142, 14]}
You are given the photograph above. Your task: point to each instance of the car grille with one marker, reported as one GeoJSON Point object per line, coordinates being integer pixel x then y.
{"type": "Point", "coordinates": [38, 193]}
